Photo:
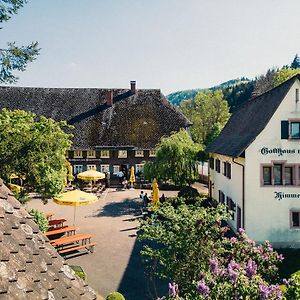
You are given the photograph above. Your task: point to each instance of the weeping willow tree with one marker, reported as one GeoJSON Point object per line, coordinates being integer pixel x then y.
{"type": "Point", "coordinates": [176, 158]}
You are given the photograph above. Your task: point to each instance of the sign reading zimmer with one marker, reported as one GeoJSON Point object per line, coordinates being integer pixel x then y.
{"type": "Point", "coordinates": [278, 151]}
{"type": "Point", "coordinates": [282, 195]}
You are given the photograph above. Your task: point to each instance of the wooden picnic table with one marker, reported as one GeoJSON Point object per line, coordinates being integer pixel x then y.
{"type": "Point", "coordinates": [83, 238]}
{"type": "Point", "coordinates": [57, 222]}
{"type": "Point", "coordinates": [68, 230]}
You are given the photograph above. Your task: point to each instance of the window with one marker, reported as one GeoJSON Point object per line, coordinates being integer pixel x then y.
{"type": "Point", "coordinates": [116, 169]}
{"type": "Point", "coordinates": [295, 219]}
{"type": "Point", "coordinates": [152, 153]}
{"type": "Point", "coordinates": [122, 154]}
{"type": "Point", "coordinates": [218, 165]}
{"type": "Point", "coordinates": [104, 168]}
{"type": "Point", "coordinates": [139, 153]}
{"type": "Point", "coordinates": [297, 95]}
{"type": "Point", "coordinates": [295, 130]}
{"type": "Point", "coordinates": [139, 168]}
{"type": "Point", "coordinates": [77, 153]}
{"type": "Point", "coordinates": [288, 175]}
{"type": "Point", "coordinates": [212, 163]}
{"type": "Point", "coordinates": [77, 169]}
{"type": "Point", "coordinates": [224, 168]}
{"type": "Point", "coordinates": [104, 153]}
{"type": "Point", "coordinates": [221, 197]}
{"type": "Point", "coordinates": [228, 166]}
{"type": "Point", "coordinates": [91, 154]}
{"type": "Point", "coordinates": [91, 167]}
{"type": "Point", "coordinates": [279, 174]}
{"type": "Point", "coordinates": [267, 176]}
{"type": "Point", "coordinates": [277, 170]}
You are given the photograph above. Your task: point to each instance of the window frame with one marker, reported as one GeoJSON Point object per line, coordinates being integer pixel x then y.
{"type": "Point", "coordinates": [137, 167]}
{"type": "Point", "coordinates": [152, 153]}
{"type": "Point", "coordinates": [291, 122]}
{"type": "Point", "coordinates": [89, 152]}
{"type": "Point", "coordinates": [75, 167]}
{"type": "Point", "coordinates": [91, 167]}
{"type": "Point", "coordinates": [120, 155]}
{"type": "Point", "coordinates": [104, 170]}
{"type": "Point", "coordinates": [102, 155]}
{"type": "Point", "coordinates": [114, 167]}
{"type": "Point", "coordinates": [292, 211]}
{"type": "Point", "coordinates": [139, 153]}
{"type": "Point", "coordinates": [78, 154]}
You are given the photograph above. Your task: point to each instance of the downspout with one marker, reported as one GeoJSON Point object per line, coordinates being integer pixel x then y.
{"type": "Point", "coordinates": [243, 192]}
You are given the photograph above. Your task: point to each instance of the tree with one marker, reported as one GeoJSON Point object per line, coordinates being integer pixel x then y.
{"type": "Point", "coordinates": [208, 112]}
{"type": "Point", "coordinates": [34, 148]}
{"type": "Point", "coordinates": [264, 82]}
{"type": "Point", "coordinates": [296, 62]}
{"type": "Point", "coordinates": [175, 159]}
{"type": "Point", "coordinates": [283, 75]}
{"type": "Point", "coordinates": [188, 246]}
{"type": "Point", "coordinates": [13, 57]}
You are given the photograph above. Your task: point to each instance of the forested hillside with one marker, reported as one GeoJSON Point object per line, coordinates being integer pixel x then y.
{"type": "Point", "coordinates": [236, 91]}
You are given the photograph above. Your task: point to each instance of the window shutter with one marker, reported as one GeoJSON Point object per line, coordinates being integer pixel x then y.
{"type": "Point", "coordinates": [284, 130]}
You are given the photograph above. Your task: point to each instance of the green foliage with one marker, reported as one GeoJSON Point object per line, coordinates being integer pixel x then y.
{"type": "Point", "coordinates": [115, 296]}
{"type": "Point", "coordinates": [22, 196]}
{"type": "Point", "coordinates": [179, 246]}
{"type": "Point", "coordinates": [35, 148]}
{"type": "Point", "coordinates": [175, 159]}
{"type": "Point", "coordinates": [209, 113]}
{"type": "Point", "coordinates": [40, 219]}
{"type": "Point", "coordinates": [79, 272]}
{"type": "Point", "coordinates": [14, 57]}
{"type": "Point", "coordinates": [189, 194]}
{"type": "Point", "coordinates": [284, 74]}
{"type": "Point", "coordinates": [296, 62]}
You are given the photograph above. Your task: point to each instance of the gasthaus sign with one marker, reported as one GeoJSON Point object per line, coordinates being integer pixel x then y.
{"type": "Point", "coordinates": [278, 151]}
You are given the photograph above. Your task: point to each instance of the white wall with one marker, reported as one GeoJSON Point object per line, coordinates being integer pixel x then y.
{"type": "Point", "coordinates": [230, 187]}
{"type": "Point", "coordinates": [266, 217]}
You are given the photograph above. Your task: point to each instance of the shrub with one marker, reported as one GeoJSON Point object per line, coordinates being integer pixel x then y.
{"type": "Point", "coordinates": [22, 197]}
{"type": "Point", "coordinates": [115, 296]}
{"type": "Point", "coordinates": [40, 219]}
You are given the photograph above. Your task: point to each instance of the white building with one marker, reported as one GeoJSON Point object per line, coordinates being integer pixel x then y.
{"type": "Point", "coordinates": [255, 166]}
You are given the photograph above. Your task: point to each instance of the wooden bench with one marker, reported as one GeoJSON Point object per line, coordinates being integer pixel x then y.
{"type": "Point", "coordinates": [65, 229]}
{"type": "Point", "coordinates": [57, 223]}
{"type": "Point", "coordinates": [89, 247]}
{"type": "Point", "coordinates": [83, 238]}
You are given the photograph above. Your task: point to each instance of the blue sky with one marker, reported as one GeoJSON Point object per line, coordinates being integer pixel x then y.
{"type": "Point", "coordinates": [167, 44]}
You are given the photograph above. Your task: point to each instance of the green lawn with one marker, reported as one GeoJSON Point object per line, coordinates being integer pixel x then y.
{"type": "Point", "coordinates": [291, 262]}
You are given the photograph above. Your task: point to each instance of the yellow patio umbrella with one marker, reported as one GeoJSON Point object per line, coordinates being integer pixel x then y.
{"type": "Point", "coordinates": [75, 198]}
{"type": "Point", "coordinates": [132, 177]}
{"type": "Point", "coordinates": [91, 175]}
{"type": "Point", "coordinates": [155, 193]}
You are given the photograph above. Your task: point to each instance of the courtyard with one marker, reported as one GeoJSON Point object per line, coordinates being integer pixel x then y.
{"type": "Point", "coordinates": [115, 264]}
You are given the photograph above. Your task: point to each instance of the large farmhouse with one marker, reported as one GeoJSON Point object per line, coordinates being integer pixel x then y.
{"type": "Point", "coordinates": [113, 128]}
{"type": "Point", "coordinates": [255, 166]}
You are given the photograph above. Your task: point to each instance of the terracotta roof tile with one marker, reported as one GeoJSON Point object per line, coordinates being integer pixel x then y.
{"type": "Point", "coordinates": [30, 267]}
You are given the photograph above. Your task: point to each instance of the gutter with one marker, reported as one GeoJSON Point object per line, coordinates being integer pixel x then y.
{"type": "Point", "coordinates": [243, 191]}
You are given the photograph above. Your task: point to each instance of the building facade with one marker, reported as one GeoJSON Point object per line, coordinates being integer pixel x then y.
{"type": "Point", "coordinates": [113, 129]}
{"type": "Point", "coordinates": [255, 166]}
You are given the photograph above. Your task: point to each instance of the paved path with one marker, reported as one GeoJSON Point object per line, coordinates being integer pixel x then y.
{"type": "Point", "coordinates": [115, 264]}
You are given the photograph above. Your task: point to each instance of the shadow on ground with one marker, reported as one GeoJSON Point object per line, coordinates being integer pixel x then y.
{"type": "Point", "coordinates": [117, 209]}
{"type": "Point", "coordinates": [134, 284]}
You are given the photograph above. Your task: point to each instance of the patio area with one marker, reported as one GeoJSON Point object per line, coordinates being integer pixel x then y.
{"type": "Point", "coordinates": [115, 263]}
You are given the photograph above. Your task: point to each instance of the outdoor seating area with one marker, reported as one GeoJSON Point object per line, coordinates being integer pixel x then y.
{"type": "Point", "coordinates": [65, 239]}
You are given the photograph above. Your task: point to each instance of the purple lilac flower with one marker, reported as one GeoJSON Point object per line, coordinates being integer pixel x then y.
{"type": "Point", "coordinates": [233, 240]}
{"type": "Point", "coordinates": [173, 289]}
{"type": "Point", "coordinates": [263, 291]}
{"type": "Point", "coordinates": [232, 271]}
{"type": "Point", "coordinates": [280, 257]}
{"type": "Point", "coordinates": [241, 231]}
{"type": "Point", "coordinates": [251, 268]}
{"type": "Point", "coordinates": [202, 288]}
{"type": "Point", "coordinates": [214, 266]}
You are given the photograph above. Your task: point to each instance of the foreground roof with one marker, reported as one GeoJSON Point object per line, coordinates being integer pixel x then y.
{"type": "Point", "coordinates": [249, 120]}
{"type": "Point", "coordinates": [137, 119]}
{"type": "Point", "coordinates": [30, 268]}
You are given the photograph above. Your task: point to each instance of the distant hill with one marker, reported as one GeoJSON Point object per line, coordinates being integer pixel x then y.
{"type": "Point", "coordinates": [235, 91]}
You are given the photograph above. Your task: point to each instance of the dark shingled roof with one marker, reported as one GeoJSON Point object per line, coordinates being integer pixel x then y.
{"type": "Point", "coordinates": [138, 120]}
{"type": "Point", "coordinates": [30, 268]}
{"type": "Point", "coordinates": [249, 120]}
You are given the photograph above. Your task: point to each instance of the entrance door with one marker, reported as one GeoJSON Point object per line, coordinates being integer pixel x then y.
{"type": "Point", "coordinates": [239, 217]}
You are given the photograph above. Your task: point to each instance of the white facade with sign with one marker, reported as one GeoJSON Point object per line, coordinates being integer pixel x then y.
{"type": "Point", "coordinates": [263, 187]}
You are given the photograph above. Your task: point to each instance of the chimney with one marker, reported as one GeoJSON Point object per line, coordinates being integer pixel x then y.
{"type": "Point", "coordinates": [109, 98]}
{"type": "Point", "coordinates": [132, 86]}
